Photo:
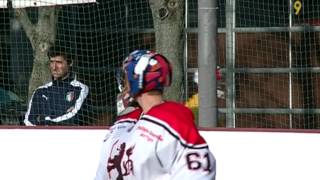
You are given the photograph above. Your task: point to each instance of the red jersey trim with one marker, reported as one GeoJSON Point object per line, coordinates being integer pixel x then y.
{"type": "Point", "coordinates": [132, 116]}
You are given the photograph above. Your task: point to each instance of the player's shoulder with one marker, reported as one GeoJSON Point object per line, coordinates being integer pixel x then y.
{"type": "Point", "coordinates": [131, 116]}
{"type": "Point", "coordinates": [178, 120]}
{"type": "Point", "coordinates": [175, 105]}
{"type": "Point", "coordinates": [171, 110]}
{"type": "Point", "coordinates": [78, 83]}
{"type": "Point", "coordinates": [45, 86]}
{"type": "Point", "coordinates": [42, 89]}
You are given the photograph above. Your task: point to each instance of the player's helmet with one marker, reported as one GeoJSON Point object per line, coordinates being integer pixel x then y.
{"type": "Point", "coordinates": [145, 71]}
{"type": "Point", "coordinates": [141, 71]}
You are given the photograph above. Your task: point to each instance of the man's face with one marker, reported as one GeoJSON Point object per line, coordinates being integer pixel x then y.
{"type": "Point", "coordinates": [59, 67]}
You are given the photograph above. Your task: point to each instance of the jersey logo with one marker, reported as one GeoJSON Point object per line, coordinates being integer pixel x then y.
{"type": "Point", "coordinates": [45, 97]}
{"type": "Point", "coordinates": [70, 96]}
{"type": "Point", "coordinates": [121, 160]}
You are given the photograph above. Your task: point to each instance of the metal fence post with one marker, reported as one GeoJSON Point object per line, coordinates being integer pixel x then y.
{"type": "Point", "coordinates": [207, 60]}
{"type": "Point", "coordinates": [230, 63]}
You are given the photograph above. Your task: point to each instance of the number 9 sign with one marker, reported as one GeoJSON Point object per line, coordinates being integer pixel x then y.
{"type": "Point", "coordinates": [297, 6]}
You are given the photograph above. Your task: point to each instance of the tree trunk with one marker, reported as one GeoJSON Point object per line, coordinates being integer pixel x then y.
{"type": "Point", "coordinates": [168, 19]}
{"type": "Point", "coordinates": [40, 71]}
{"type": "Point", "coordinates": [42, 37]}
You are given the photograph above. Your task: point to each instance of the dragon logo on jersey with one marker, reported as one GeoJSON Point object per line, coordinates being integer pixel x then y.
{"type": "Point", "coordinates": [120, 160]}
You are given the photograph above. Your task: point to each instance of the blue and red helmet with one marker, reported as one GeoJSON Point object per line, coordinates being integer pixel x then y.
{"type": "Point", "coordinates": [144, 71]}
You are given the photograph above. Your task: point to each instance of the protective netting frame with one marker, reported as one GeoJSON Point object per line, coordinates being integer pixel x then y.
{"type": "Point", "coordinates": [97, 36]}
{"type": "Point", "coordinates": [285, 26]}
{"type": "Point", "coordinates": [261, 47]}
{"type": "Point", "coordinates": [272, 86]}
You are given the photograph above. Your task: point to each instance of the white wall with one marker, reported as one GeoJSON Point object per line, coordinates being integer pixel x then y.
{"type": "Point", "coordinates": [56, 154]}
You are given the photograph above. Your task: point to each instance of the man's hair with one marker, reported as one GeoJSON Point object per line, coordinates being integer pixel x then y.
{"type": "Point", "coordinates": [57, 51]}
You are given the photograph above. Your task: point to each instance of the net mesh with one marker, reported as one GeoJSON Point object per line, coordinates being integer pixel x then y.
{"type": "Point", "coordinates": [97, 36]}
{"type": "Point", "coordinates": [267, 53]}
{"type": "Point", "coordinates": [275, 56]}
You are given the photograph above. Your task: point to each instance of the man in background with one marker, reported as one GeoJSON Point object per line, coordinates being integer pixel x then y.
{"type": "Point", "coordinates": [59, 101]}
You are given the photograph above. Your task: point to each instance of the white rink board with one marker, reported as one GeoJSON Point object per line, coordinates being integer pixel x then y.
{"type": "Point", "coordinates": [57, 154]}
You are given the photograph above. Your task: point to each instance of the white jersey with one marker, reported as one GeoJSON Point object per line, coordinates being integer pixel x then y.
{"type": "Point", "coordinates": [161, 144]}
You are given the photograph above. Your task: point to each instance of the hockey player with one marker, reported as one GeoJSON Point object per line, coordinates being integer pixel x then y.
{"type": "Point", "coordinates": [157, 139]}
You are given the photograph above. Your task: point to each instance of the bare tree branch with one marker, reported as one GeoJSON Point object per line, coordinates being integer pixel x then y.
{"type": "Point", "coordinates": [29, 28]}
{"type": "Point", "coordinates": [42, 36]}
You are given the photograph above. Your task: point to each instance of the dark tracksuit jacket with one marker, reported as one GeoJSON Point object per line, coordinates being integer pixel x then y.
{"type": "Point", "coordinates": [57, 103]}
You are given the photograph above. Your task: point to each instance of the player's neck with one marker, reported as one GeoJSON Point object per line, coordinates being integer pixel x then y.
{"type": "Point", "coordinates": [148, 101]}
